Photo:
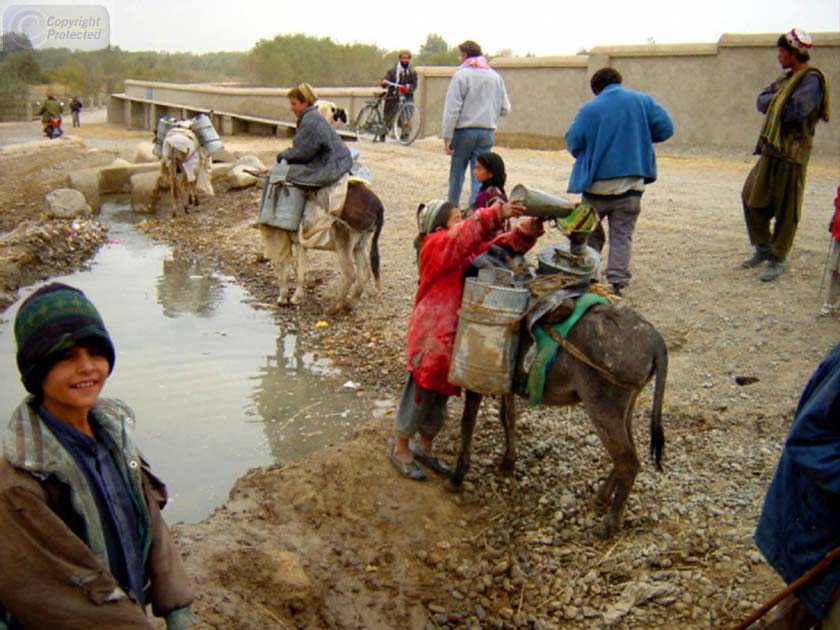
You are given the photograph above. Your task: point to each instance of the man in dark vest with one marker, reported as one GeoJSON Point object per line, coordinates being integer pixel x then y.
{"type": "Point", "coordinates": [792, 104]}
{"type": "Point", "coordinates": [406, 79]}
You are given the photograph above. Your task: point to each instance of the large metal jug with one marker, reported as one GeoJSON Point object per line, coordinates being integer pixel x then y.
{"type": "Point", "coordinates": [282, 204]}
{"type": "Point", "coordinates": [487, 338]}
{"type": "Point", "coordinates": [206, 134]}
{"type": "Point", "coordinates": [163, 126]}
{"type": "Point", "coordinates": [542, 204]}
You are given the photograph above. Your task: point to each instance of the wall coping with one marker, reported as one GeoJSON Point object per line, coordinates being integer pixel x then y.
{"type": "Point", "coordinates": [736, 40]}
{"type": "Point", "coordinates": [656, 50]}
{"type": "Point", "coordinates": [727, 40]}
{"type": "Point", "coordinates": [209, 88]}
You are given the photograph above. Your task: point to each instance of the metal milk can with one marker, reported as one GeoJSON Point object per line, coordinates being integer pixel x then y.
{"type": "Point", "coordinates": [487, 338]}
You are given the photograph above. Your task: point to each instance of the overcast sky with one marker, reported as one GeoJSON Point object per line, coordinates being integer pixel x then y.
{"type": "Point", "coordinates": [524, 26]}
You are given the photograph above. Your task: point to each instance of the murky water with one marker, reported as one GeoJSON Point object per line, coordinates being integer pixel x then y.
{"type": "Point", "coordinates": [217, 387]}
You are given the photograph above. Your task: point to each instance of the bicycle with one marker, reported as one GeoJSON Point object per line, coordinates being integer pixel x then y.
{"type": "Point", "coordinates": [371, 124]}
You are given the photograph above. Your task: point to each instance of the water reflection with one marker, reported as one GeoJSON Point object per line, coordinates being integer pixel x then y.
{"type": "Point", "coordinates": [302, 414]}
{"type": "Point", "coordinates": [189, 286]}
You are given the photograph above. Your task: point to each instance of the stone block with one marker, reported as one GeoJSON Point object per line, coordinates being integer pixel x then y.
{"type": "Point", "coordinates": [252, 162]}
{"type": "Point", "coordinates": [67, 203]}
{"type": "Point", "coordinates": [143, 153]}
{"type": "Point", "coordinates": [86, 181]}
{"type": "Point", "coordinates": [239, 177]}
{"type": "Point", "coordinates": [116, 177]}
{"type": "Point", "coordinates": [219, 172]}
{"type": "Point", "coordinates": [144, 191]}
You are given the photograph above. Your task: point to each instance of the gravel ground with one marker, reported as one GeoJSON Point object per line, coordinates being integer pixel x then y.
{"type": "Point", "coordinates": [340, 541]}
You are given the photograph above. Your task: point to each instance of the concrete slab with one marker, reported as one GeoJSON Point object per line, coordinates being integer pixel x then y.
{"type": "Point", "coordinates": [144, 191]}
{"type": "Point", "coordinates": [116, 178]}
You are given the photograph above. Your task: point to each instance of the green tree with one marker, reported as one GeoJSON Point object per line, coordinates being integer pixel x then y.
{"type": "Point", "coordinates": [291, 59]}
{"type": "Point", "coordinates": [436, 52]}
{"type": "Point", "coordinates": [22, 66]}
{"type": "Point", "coordinates": [79, 77]}
{"type": "Point", "coordinates": [12, 42]}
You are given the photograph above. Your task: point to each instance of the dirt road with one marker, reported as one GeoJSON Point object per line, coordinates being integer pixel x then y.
{"type": "Point", "coordinates": [340, 541]}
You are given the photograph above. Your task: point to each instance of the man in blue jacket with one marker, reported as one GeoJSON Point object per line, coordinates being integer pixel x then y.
{"type": "Point", "coordinates": [800, 520]}
{"type": "Point", "coordinates": [612, 140]}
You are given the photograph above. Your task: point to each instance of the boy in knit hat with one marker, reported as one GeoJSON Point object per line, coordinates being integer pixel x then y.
{"type": "Point", "coordinates": [82, 540]}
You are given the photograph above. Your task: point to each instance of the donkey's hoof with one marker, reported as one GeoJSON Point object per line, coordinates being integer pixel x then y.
{"type": "Point", "coordinates": [452, 484]}
{"type": "Point", "coordinates": [507, 466]}
{"type": "Point", "coordinates": [599, 503]}
{"type": "Point", "coordinates": [333, 309]}
{"type": "Point", "coordinates": [604, 531]}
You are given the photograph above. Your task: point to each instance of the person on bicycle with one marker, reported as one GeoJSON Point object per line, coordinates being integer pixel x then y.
{"type": "Point", "coordinates": [406, 79]}
{"type": "Point", "coordinates": [318, 157]}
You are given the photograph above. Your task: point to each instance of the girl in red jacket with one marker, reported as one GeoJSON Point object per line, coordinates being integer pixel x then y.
{"type": "Point", "coordinates": [447, 246]}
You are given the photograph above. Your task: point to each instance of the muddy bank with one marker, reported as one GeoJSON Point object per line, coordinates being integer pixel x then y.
{"type": "Point", "coordinates": [340, 541]}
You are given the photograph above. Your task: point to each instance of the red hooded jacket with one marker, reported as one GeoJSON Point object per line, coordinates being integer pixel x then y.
{"type": "Point", "coordinates": [444, 257]}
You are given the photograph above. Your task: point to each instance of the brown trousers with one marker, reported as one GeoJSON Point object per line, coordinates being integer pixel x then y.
{"type": "Point", "coordinates": [773, 191]}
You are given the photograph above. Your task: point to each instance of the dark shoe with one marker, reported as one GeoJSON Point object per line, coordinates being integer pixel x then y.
{"type": "Point", "coordinates": [429, 461]}
{"type": "Point", "coordinates": [410, 470]}
{"type": "Point", "coordinates": [756, 259]}
{"type": "Point", "coordinates": [617, 289]}
{"type": "Point", "coordinates": [773, 270]}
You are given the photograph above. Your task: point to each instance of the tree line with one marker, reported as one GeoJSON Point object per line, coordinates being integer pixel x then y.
{"type": "Point", "coordinates": [285, 60]}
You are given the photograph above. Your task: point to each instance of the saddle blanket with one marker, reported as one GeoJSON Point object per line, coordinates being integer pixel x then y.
{"type": "Point", "coordinates": [546, 347]}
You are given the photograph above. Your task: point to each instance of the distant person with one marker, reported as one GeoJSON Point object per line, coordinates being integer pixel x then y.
{"type": "Point", "coordinates": [832, 291]}
{"type": "Point", "coordinates": [800, 518]}
{"type": "Point", "coordinates": [50, 109]}
{"type": "Point", "coordinates": [792, 104]}
{"type": "Point", "coordinates": [446, 246]}
{"type": "Point", "coordinates": [612, 139]}
{"type": "Point", "coordinates": [82, 540]}
{"type": "Point", "coordinates": [75, 110]}
{"type": "Point", "coordinates": [406, 79]}
{"type": "Point", "coordinates": [475, 100]}
{"type": "Point", "coordinates": [491, 175]}
{"type": "Point", "coordinates": [318, 157]}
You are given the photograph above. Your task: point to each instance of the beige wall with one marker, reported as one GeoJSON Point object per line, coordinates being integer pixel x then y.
{"type": "Point", "coordinates": [709, 90]}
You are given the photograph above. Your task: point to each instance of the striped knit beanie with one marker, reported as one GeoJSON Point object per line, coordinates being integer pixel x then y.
{"type": "Point", "coordinates": [51, 321]}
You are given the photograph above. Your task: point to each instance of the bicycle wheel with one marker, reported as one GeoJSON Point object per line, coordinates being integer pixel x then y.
{"type": "Point", "coordinates": [407, 123]}
{"type": "Point", "coordinates": [368, 125]}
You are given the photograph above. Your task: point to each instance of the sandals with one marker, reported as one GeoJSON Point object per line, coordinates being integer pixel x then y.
{"type": "Point", "coordinates": [410, 470]}
{"type": "Point", "coordinates": [429, 461]}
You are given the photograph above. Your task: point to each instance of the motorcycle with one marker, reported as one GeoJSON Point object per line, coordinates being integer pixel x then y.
{"type": "Point", "coordinates": [53, 128]}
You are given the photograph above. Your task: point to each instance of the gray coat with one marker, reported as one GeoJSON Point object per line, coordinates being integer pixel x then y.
{"type": "Point", "coordinates": [318, 156]}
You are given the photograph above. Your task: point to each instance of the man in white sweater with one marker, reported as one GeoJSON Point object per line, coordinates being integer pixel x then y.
{"type": "Point", "coordinates": [475, 99]}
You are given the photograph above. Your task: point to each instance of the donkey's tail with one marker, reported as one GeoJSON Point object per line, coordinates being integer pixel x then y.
{"type": "Point", "coordinates": [657, 436]}
{"type": "Point", "coordinates": [374, 244]}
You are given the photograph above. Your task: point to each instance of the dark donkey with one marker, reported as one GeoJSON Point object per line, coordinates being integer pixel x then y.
{"type": "Point", "coordinates": [618, 353]}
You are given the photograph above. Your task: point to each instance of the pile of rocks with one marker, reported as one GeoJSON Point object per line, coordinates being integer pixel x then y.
{"type": "Point", "coordinates": [36, 250]}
